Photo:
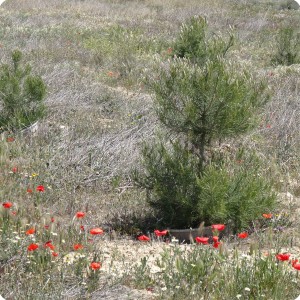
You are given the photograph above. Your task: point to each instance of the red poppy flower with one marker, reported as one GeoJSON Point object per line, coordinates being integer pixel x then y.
{"type": "Point", "coordinates": [77, 246]}
{"type": "Point", "coordinates": [202, 240]}
{"type": "Point", "coordinates": [14, 169]}
{"type": "Point", "coordinates": [7, 204]}
{"type": "Point", "coordinates": [80, 214]}
{"type": "Point", "coordinates": [54, 254]}
{"type": "Point", "coordinates": [52, 220]}
{"type": "Point", "coordinates": [215, 239]}
{"type": "Point", "coordinates": [82, 227]}
{"type": "Point", "coordinates": [243, 235]}
{"type": "Point", "coordinates": [29, 191]}
{"type": "Point", "coordinates": [143, 238]}
{"type": "Point", "coordinates": [30, 231]}
{"type": "Point", "coordinates": [296, 266]}
{"type": "Point", "coordinates": [218, 227]}
{"type": "Point", "coordinates": [267, 216]}
{"type": "Point", "coordinates": [160, 233]}
{"type": "Point", "coordinates": [10, 139]}
{"type": "Point", "coordinates": [32, 247]}
{"type": "Point", "coordinates": [95, 265]}
{"type": "Point", "coordinates": [96, 231]}
{"type": "Point", "coordinates": [40, 188]}
{"type": "Point", "coordinates": [216, 244]}
{"type": "Point", "coordinates": [46, 226]}
{"type": "Point", "coordinates": [283, 256]}
{"type": "Point", "coordinates": [49, 245]}
{"type": "Point", "coordinates": [294, 261]}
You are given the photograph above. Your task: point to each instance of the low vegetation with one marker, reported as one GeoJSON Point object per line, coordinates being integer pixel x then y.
{"type": "Point", "coordinates": [288, 42]}
{"type": "Point", "coordinates": [21, 95]}
{"type": "Point", "coordinates": [150, 116]}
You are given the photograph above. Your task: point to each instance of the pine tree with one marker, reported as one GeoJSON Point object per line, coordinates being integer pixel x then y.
{"type": "Point", "coordinates": [201, 100]}
{"type": "Point", "coordinates": [21, 95]}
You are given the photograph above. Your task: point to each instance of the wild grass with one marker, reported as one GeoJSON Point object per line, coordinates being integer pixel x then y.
{"type": "Point", "coordinates": [203, 273]}
{"type": "Point", "coordinates": [92, 56]}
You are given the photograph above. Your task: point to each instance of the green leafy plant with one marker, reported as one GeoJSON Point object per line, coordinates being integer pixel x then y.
{"type": "Point", "coordinates": [21, 95]}
{"type": "Point", "coordinates": [288, 47]}
{"type": "Point", "coordinates": [201, 106]}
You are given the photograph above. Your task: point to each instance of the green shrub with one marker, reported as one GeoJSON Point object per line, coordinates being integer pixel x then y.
{"type": "Point", "coordinates": [200, 106]}
{"type": "Point", "coordinates": [226, 192]}
{"type": "Point", "coordinates": [195, 43]}
{"type": "Point", "coordinates": [288, 47]}
{"type": "Point", "coordinates": [171, 181]}
{"type": "Point", "coordinates": [234, 194]}
{"type": "Point", "coordinates": [21, 95]}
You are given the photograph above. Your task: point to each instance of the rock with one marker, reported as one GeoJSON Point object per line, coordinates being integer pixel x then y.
{"type": "Point", "coordinates": [189, 235]}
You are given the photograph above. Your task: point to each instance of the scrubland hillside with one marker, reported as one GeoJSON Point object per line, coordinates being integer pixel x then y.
{"type": "Point", "coordinates": [94, 56]}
